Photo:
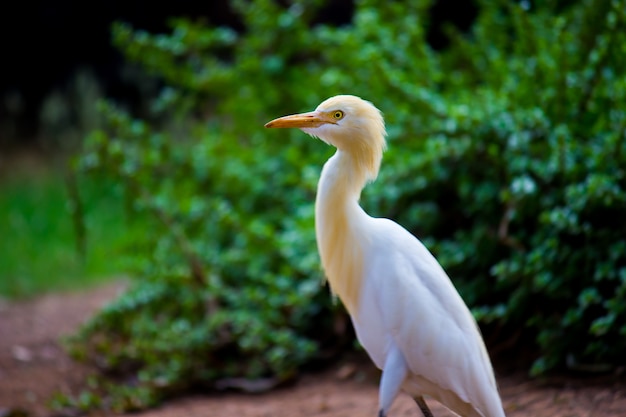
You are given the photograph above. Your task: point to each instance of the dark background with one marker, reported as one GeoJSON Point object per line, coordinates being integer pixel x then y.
{"type": "Point", "coordinates": [45, 43]}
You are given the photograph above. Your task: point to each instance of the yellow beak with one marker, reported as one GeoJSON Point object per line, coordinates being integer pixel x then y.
{"type": "Point", "coordinates": [302, 120]}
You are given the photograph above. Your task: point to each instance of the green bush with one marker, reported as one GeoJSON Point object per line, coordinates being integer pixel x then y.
{"type": "Point", "coordinates": [507, 155]}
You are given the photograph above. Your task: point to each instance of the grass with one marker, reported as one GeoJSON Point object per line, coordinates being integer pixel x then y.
{"type": "Point", "coordinates": [38, 250]}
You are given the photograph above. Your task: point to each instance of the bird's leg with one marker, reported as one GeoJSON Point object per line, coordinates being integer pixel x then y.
{"type": "Point", "coordinates": [422, 405]}
{"type": "Point", "coordinates": [394, 373]}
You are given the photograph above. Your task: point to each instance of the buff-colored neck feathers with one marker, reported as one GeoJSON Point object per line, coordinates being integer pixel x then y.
{"type": "Point", "coordinates": [360, 140]}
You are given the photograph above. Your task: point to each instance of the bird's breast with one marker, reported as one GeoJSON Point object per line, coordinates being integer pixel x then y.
{"type": "Point", "coordinates": [368, 324]}
{"type": "Point", "coordinates": [342, 258]}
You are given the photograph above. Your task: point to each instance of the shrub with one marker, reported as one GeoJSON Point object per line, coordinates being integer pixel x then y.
{"type": "Point", "coordinates": [506, 157]}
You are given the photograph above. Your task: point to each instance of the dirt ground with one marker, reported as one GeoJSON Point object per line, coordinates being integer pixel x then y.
{"type": "Point", "coordinates": [33, 366]}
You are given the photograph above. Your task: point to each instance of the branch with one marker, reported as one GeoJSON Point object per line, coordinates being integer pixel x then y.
{"type": "Point", "coordinates": [503, 230]}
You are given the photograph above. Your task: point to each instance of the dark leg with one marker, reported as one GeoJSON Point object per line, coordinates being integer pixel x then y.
{"type": "Point", "coordinates": [422, 405]}
{"type": "Point", "coordinates": [381, 414]}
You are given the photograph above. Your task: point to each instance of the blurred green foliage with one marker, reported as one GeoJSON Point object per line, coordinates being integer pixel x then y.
{"type": "Point", "coordinates": [507, 155]}
{"type": "Point", "coordinates": [37, 239]}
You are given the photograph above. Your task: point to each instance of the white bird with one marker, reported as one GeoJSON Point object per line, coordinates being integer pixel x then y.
{"type": "Point", "coordinates": [406, 312]}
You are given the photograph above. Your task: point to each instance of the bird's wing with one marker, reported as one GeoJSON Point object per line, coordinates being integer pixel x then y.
{"type": "Point", "coordinates": [424, 315]}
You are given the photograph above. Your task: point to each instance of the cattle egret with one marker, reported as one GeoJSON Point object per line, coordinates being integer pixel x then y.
{"type": "Point", "coordinates": [406, 312]}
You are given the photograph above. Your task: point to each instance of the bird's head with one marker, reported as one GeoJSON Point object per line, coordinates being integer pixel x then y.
{"type": "Point", "coordinates": [349, 123]}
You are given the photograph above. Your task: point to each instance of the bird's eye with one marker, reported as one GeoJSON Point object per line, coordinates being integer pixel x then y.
{"type": "Point", "coordinates": [337, 114]}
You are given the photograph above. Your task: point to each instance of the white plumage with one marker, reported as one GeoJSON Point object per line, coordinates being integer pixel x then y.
{"type": "Point", "coordinates": [406, 312]}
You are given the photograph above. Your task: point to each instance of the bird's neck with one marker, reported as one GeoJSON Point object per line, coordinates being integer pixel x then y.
{"type": "Point", "coordinates": [338, 226]}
